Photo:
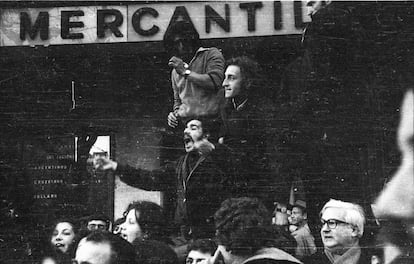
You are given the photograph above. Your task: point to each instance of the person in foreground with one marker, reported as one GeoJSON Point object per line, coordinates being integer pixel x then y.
{"type": "Point", "coordinates": [244, 234]}
{"type": "Point", "coordinates": [102, 247]}
{"type": "Point", "coordinates": [394, 207]}
{"type": "Point", "coordinates": [342, 228]}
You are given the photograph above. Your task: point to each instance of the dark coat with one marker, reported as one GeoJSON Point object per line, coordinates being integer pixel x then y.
{"type": "Point", "coordinates": [320, 258]}
{"type": "Point", "coordinates": [244, 131]}
{"type": "Point", "coordinates": [200, 187]}
{"type": "Point", "coordinates": [154, 252]}
{"type": "Point", "coordinates": [271, 256]}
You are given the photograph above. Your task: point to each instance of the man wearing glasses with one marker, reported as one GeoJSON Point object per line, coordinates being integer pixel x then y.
{"type": "Point", "coordinates": [342, 228]}
{"type": "Point", "coordinates": [98, 222]}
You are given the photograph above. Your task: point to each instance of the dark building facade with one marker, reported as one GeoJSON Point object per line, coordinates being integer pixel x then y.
{"type": "Point", "coordinates": [331, 102]}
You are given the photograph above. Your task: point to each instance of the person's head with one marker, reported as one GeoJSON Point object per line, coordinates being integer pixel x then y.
{"type": "Point", "coordinates": [143, 220]}
{"type": "Point", "coordinates": [315, 6]}
{"type": "Point", "coordinates": [342, 225]}
{"type": "Point", "coordinates": [49, 260]}
{"type": "Point", "coordinates": [98, 222]}
{"type": "Point", "coordinates": [242, 228]}
{"type": "Point", "coordinates": [104, 248]}
{"type": "Point", "coordinates": [298, 215]}
{"type": "Point", "coordinates": [63, 236]}
{"type": "Point", "coordinates": [393, 207]}
{"type": "Point", "coordinates": [182, 40]}
{"type": "Point", "coordinates": [197, 130]}
{"type": "Point", "coordinates": [240, 74]}
{"type": "Point", "coordinates": [201, 250]}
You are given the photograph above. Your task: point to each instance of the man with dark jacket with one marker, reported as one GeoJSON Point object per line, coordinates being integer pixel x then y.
{"type": "Point", "coordinates": [243, 129]}
{"type": "Point", "coordinates": [199, 183]}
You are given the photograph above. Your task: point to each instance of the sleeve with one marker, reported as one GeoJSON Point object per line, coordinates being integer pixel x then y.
{"type": "Point", "coordinates": [177, 99]}
{"type": "Point", "coordinates": [215, 67]}
{"type": "Point", "coordinates": [155, 180]}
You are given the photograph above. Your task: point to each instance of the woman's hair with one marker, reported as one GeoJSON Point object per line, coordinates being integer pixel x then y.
{"type": "Point", "coordinates": [76, 229]}
{"type": "Point", "coordinates": [74, 223]}
{"type": "Point", "coordinates": [150, 218]}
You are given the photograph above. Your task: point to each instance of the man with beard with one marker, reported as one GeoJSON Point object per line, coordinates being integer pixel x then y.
{"type": "Point", "coordinates": [199, 184]}
{"type": "Point", "coordinates": [196, 76]}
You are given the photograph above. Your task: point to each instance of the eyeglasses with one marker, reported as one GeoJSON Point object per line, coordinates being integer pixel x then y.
{"type": "Point", "coordinates": [96, 227]}
{"type": "Point", "coordinates": [332, 223]}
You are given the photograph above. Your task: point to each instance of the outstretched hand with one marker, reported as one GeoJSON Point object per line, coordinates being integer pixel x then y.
{"type": "Point", "coordinates": [104, 163]}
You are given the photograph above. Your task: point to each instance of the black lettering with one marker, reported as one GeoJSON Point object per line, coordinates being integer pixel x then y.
{"type": "Point", "coordinates": [66, 24]}
{"type": "Point", "coordinates": [136, 21]}
{"type": "Point", "coordinates": [113, 26]}
{"type": "Point", "coordinates": [41, 24]}
{"type": "Point", "coordinates": [297, 10]}
{"type": "Point", "coordinates": [277, 15]}
{"type": "Point", "coordinates": [180, 13]}
{"type": "Point", "coordinates": [212, 15]}
{"type": "Point", "coordinates": [251, 13]}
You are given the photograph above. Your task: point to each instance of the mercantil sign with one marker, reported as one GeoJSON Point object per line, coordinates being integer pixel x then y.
{"type": "Point", "coordinates": [148, 22]}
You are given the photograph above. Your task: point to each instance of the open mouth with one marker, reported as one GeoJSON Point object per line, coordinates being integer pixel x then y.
{"type": "Point", "coordinates": [60, 246]}
{"type": "Point", "coordinates": [187, 139]}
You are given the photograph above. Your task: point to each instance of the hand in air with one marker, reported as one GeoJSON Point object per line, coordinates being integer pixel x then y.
{"type": "Point", "coordinates": [178, 64]}
{"type": "Point", "coordinates": [172, 120]}
{"type": "Point", "coordinates": [104, 163]}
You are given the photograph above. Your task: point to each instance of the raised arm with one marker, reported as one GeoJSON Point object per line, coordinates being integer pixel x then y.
{"type": "Point", "coordinates": [211, 79]}
{"type": "Point", "coordinates": [155, 180]}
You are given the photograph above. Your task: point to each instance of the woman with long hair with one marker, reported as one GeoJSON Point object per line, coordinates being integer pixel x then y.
{"type": "Point", "coordinates": [62, 242]}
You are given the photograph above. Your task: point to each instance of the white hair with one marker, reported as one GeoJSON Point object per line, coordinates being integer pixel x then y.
{"type": "Point", "coordinates": [354, 214]}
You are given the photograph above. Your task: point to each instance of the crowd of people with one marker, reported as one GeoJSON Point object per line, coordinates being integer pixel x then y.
{"type": "Point", "coordinates": [220, 216]}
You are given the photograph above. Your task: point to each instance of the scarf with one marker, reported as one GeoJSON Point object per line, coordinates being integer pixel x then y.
{"type": "Point", "coordinates": [351, 256]}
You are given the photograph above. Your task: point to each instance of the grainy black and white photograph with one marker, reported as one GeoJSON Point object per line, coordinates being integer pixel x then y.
{"type": "Point", "coordinates": [206, 132]}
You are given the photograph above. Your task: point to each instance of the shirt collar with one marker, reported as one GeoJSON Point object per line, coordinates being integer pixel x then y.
{"type": "Point", "coordinates": [240, 106]}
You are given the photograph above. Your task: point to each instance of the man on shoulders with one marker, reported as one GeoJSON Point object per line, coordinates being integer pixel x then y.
{"type": "Point", "coordinates": [196, 76]}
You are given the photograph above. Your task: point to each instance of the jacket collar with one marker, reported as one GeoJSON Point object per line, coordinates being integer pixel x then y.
{"type": "Point", "coordinates": [272, 253]}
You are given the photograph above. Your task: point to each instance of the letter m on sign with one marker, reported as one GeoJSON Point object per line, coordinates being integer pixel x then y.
{"type": "Point", "coordinates": [41, 24]}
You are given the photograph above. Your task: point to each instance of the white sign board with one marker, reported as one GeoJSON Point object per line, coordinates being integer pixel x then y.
{"type": "Point", "coordinates": [148, 22]}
